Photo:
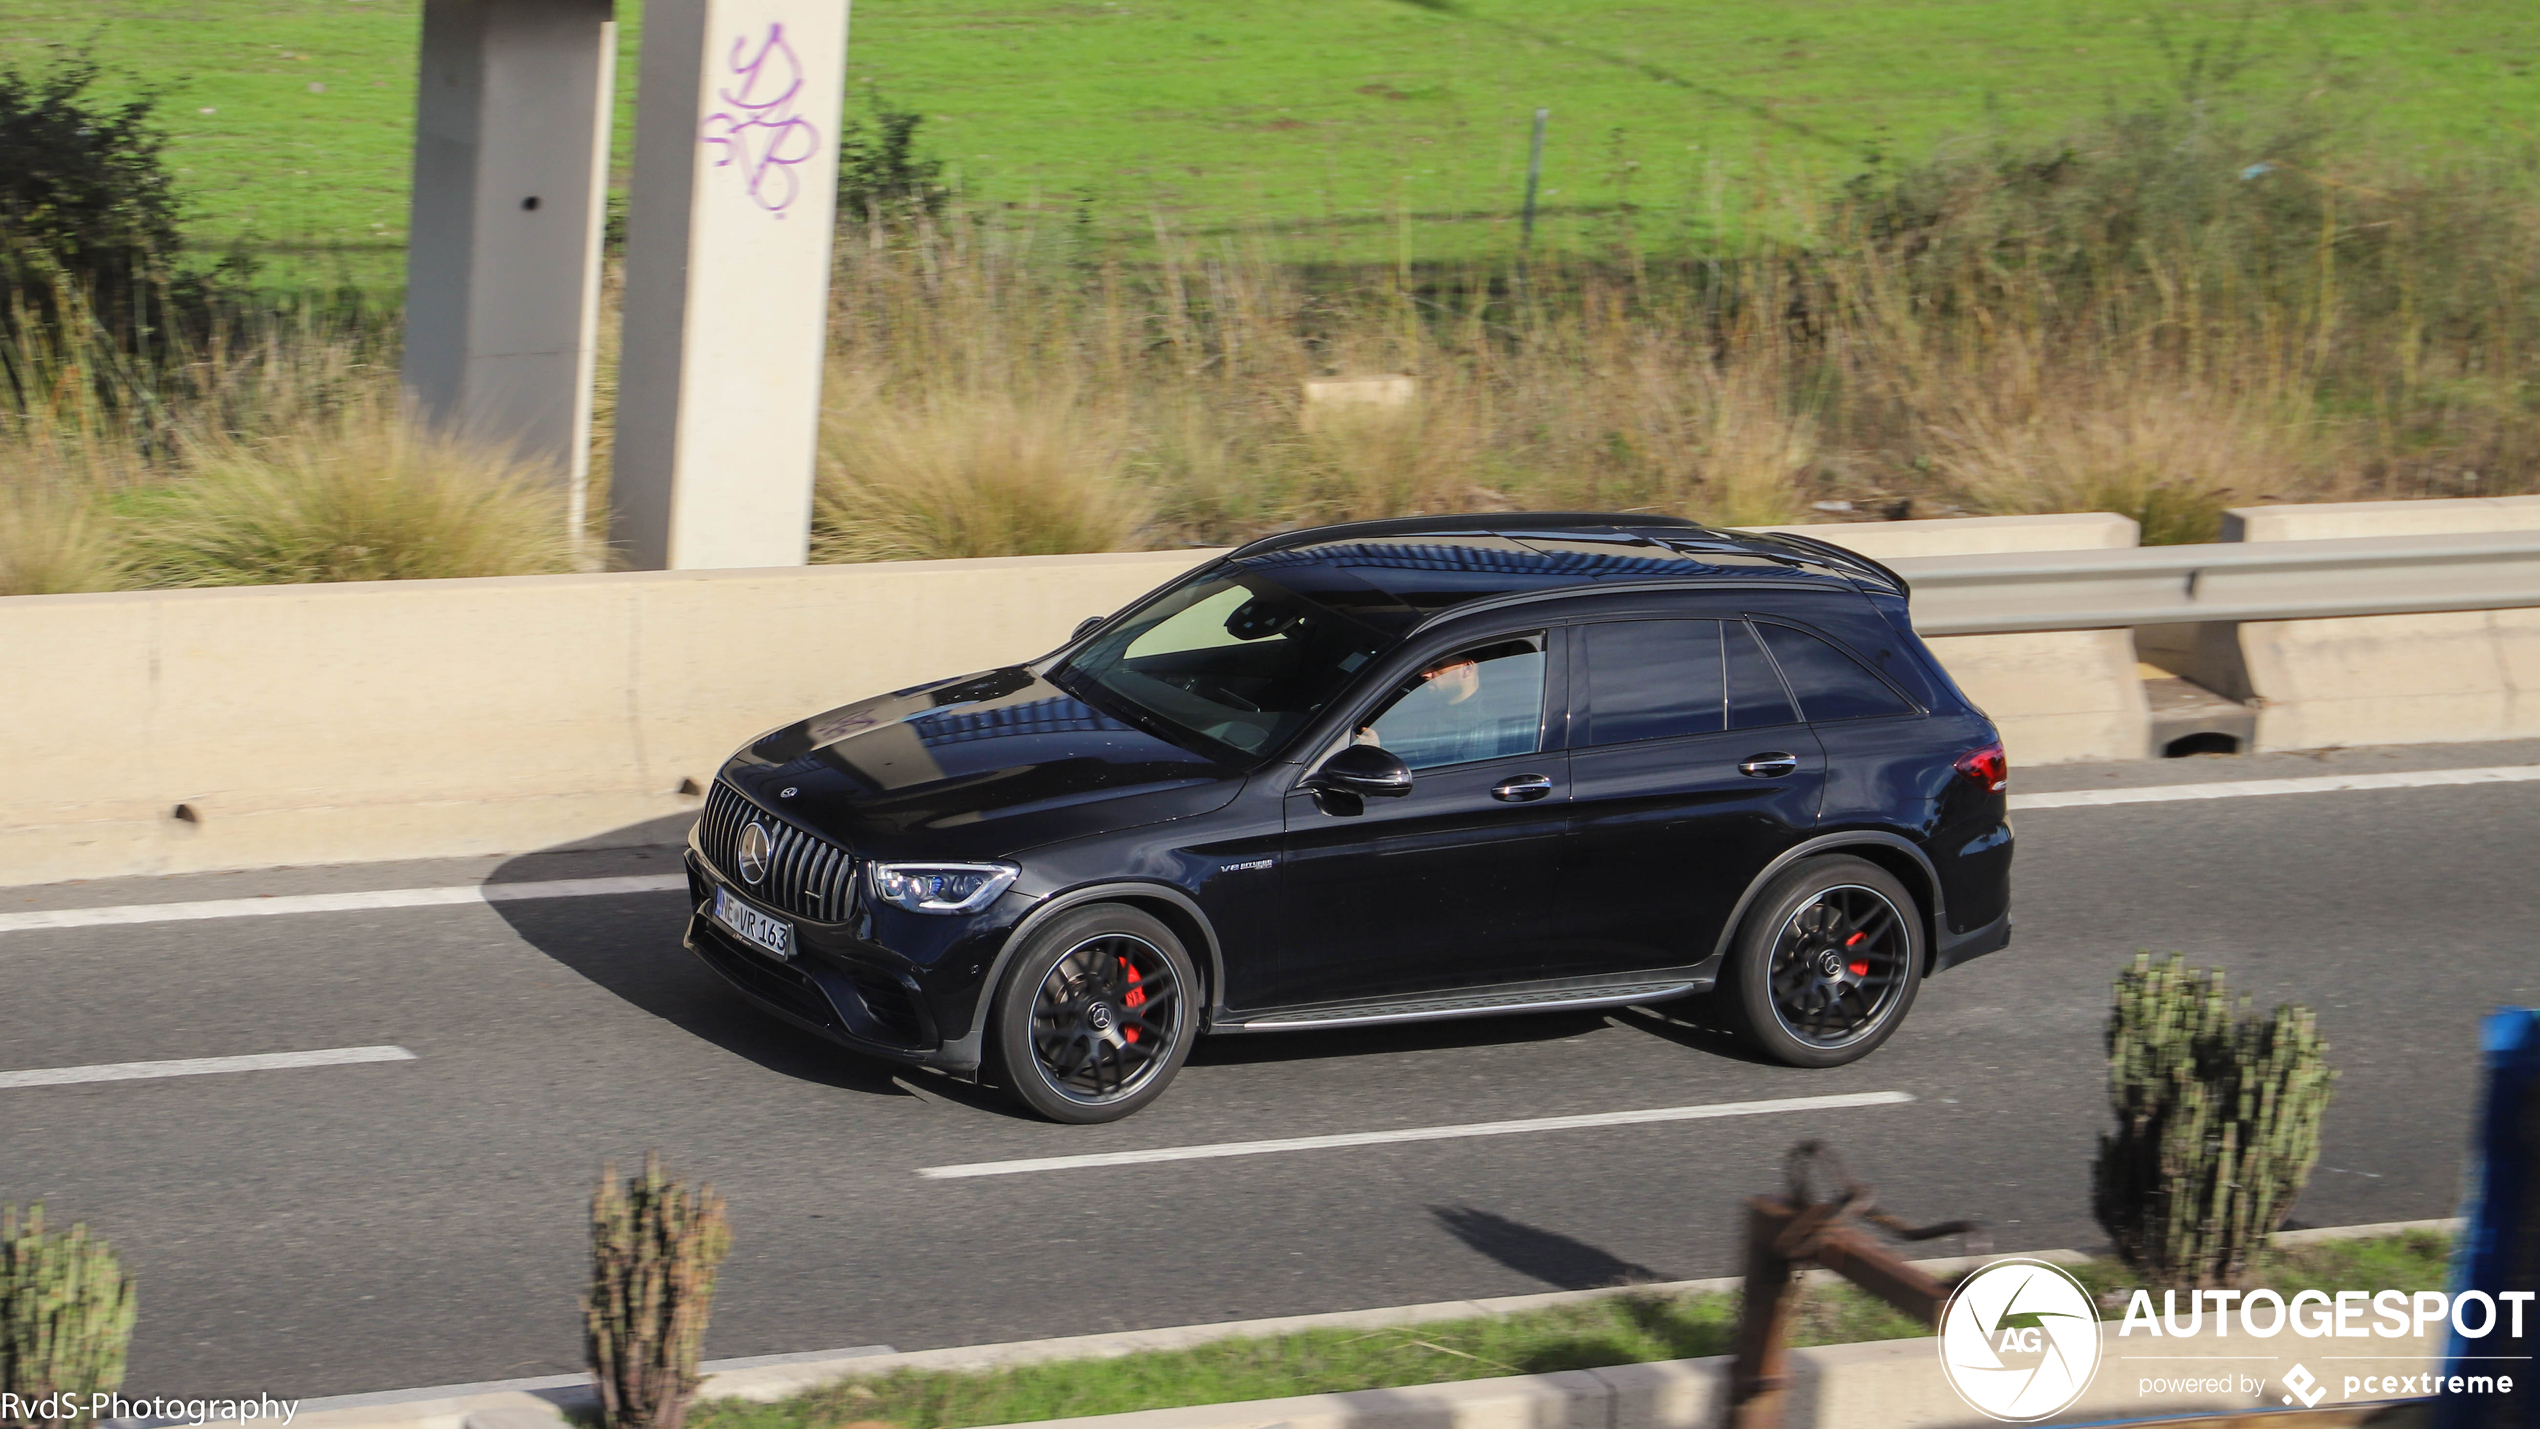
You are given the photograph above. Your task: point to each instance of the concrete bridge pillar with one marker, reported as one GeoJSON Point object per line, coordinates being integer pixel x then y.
{"type": "Point", "coordinates": [727, 281]}
{"type": "Point", "coordinates": [510, 185]}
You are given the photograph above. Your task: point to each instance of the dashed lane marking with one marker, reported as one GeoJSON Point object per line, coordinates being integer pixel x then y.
{"type": "Point", "coordinates": [201, 1066]}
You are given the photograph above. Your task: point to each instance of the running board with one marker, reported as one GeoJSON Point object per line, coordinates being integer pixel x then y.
{"type": "Point", "coordinates": [1486, 1004]}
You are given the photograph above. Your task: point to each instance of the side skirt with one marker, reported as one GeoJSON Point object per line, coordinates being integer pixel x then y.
{"type": "Point", "coordinates": [1485, 1002]}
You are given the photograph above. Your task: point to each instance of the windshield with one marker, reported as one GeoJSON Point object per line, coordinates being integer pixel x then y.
{"type": "Point", "coordinates": [1232, 659]}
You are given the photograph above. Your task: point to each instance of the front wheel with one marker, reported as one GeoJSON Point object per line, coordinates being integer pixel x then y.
{"type": "Point", "coordinates": [1827, 962]}
{"type": "Point", "coordinates": [1096, 1014]}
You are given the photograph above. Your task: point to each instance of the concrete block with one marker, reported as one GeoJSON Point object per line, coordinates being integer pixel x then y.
{"type": "Point", "coordinates": [2338, 520]}
{"type": "Point", "coordinates": [1898, 1384]}
{"type": "Point", "coordinates": [2384, 679]}
{"type": "Point", "coordinates": [1671, 1394]}
{"type": "Point", "coordinates": [1976, 535]}
{"type": "Point", "coordinates": [1571, 1400]}
{"type": "Point", "coordinates": [1331, 401]}
{"type": "Point", "coordinates": [2059, 696]}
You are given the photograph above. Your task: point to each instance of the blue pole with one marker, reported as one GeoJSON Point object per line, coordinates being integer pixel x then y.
{"type": "Point", "coordinates": [2500, 1247]}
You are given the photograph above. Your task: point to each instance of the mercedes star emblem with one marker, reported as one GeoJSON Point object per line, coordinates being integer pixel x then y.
{"type": "Point", "coordinates": [753, 853]}
{"type": "Point", "coordinates": [787, 792]}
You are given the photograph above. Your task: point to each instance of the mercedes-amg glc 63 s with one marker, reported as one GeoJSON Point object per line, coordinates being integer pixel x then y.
{"type": "Point", "coordinates": [1381, 772]}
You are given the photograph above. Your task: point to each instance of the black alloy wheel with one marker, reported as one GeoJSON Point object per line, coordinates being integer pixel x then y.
{"type": "Point", "coordinates": [1827, 962]}
{"type": "Point", "coordinates": [1096, 1015]}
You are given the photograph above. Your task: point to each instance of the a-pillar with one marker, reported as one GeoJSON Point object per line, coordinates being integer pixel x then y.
{"type": "Point", "coordinates": [727, 281]}
{"type": "Point", "coordinates": [503, 262]}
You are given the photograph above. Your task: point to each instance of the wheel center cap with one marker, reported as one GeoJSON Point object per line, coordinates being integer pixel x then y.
{"type": "Point", "coordinates": [1098, 1016]}
{"type": "Point", "coordinates": [1829, 962]}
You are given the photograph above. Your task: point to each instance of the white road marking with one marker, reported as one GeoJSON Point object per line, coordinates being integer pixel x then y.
{"type": "Point", "coordinates": [338, 902]}
{"type": "Point", "coordinates": [1413, 1133]}
{"type": "Point", "coordinates": [201, 1066]}
{"type": "Point", "coordinates": [2254, 788]}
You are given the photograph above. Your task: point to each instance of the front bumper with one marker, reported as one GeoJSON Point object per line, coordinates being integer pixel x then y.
{"type": "Point", "coordinates": [837, 985]}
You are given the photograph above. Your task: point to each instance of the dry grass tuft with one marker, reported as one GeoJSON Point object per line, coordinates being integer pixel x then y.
{"type": "Point", "coordinates": [361, 495]}
{"type": "Point", "coordinates": [2172, 458]}
{"type": "Point", "coordinates": [55, 539]}
{"type": "Point", "coordinates": [971, 474]}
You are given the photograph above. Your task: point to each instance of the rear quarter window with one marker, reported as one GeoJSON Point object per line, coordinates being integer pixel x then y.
{"type": "Point", "coordinates": [1829, 682]}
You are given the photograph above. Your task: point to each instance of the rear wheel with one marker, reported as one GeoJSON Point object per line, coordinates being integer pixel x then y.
{"type": "Point", "coordinates": [1827, 962]}
{"type": "Point", "coordinates": [1096, 1015]}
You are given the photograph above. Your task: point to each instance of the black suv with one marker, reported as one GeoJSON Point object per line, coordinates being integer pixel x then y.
{"type": "Point", "coordinates": [1382, 772]}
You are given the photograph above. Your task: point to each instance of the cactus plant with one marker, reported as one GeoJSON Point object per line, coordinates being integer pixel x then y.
{"type": "Point", "coordinates": [65, 1319]}
{"type": "Point", "coordinates": [654, 1250]}
{"type": "Point", "coordinates": [2218, 1123]}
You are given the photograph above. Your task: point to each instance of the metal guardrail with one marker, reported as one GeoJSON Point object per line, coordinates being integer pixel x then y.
{"type": "Point", "coordinates": [2258, 580]}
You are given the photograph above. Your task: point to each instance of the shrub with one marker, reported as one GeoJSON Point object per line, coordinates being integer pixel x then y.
{"type": "Point", "coordinates": [881, 176]}
{"type": "Point", "coordinates": [2218, 1123]}
{"type": "Point", "coordinates": [655, 1247]}
{"type": "Point", "coordinates": [971, 475]}
{"type": "Point", "coordinates": [84, 189]}
{"type": "Point", "coordinates": [359, 495]}
{"type": "Point", "coordinates": [65, 1315]}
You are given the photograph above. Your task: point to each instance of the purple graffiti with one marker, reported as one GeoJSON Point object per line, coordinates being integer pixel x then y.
{"type": "Point", "coordinates": [758, 129]}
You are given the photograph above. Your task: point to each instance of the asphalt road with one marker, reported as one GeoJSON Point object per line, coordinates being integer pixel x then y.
{"type": "Point", "coordinates": [329, 1230]}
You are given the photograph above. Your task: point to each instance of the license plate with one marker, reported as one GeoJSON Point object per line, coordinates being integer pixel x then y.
{"type": "Point", "coordinates": [774, 934]}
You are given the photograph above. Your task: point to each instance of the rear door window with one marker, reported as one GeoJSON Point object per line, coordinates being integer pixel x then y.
{"type": "Point", "coordinates": [1756, 697]}
{"type": "Point", "coordinates": [1830, 684]}
{"type": "Point", "coordinates": [1654, 679]}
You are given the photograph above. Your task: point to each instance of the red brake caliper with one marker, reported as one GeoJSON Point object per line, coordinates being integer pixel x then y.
{"type": "Point", "coordinates": [1137, 998]}
{"type": "Point", "coordinates": [1861, 968]}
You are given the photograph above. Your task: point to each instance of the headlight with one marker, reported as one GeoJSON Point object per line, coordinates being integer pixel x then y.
{"type": "Point", "coordinates": [940, 887]}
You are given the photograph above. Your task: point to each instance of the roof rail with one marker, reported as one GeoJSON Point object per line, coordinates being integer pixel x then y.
{"type": "Point", "coordinates": [1469, 524]}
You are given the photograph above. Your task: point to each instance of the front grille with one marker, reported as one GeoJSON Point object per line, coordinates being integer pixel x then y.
{"type": "Point", "coordinates": [806, 876]}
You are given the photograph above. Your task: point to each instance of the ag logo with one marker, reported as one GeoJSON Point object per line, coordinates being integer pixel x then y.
{"type": "Point", "coordinates": [2019, 1340]}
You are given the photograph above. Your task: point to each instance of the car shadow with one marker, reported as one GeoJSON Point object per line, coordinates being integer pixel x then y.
{"type": "Point", "coordinates": [1691, 1023]}
{"type": "Point", "coordinates": [629, 945]}
{"type": "Point", "coordinates": [1560, 1261]}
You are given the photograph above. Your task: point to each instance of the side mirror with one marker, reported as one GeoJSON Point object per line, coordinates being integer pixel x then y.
{"type": "Point", "coordinates": [1364, 770]}
{"type": "Point", "coordinates": [1084, 628]}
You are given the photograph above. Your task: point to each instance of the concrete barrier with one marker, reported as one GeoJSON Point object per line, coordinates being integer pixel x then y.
{"type": "Point", "coordinates": [413, 719]}
{"type": "Point", "coordinates": [328, 724]}
{"type": "Point", "coordinates": [1886, 1384]}
{"type": "Point", "coordinates": [2059, 696]}
{"type": "Point", "coordinates": [2381, 679]}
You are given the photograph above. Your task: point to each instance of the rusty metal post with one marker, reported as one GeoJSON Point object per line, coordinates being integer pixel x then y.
{"type": "Point", "coordinates": [1759, 1377]}
{"type": "Point", "coordinates": [1810, 1227]}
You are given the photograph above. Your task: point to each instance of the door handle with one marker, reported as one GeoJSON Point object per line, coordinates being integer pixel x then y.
{"type": "Point", "coordinates": [1522, 789]}
{"type": "Point", "coordinates": [1769, 766]}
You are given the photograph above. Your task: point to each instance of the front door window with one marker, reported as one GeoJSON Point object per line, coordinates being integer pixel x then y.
{"type": "Point", "coordinates": [1481, 703]}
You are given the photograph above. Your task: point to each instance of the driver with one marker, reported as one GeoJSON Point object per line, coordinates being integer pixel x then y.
{"type": "Point", "coordinates": [1425, 712]}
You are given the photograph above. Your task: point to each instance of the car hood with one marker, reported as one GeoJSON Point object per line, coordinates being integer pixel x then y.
{"type": "Point", "coordinates": [977, 767]}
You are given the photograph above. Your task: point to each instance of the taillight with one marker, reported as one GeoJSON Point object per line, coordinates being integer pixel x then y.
{"type": "Point", "coordinates": [1988, 767]}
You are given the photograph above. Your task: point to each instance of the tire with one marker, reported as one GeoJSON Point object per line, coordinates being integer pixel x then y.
{"type": "Point", "coordinates": [1827, 963]}
{"type": "Point", "coordinates": [1097, 1012]}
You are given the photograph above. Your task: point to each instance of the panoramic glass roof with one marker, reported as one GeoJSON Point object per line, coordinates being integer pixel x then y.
{"type": "Point", "coordinates": [1396, 580]}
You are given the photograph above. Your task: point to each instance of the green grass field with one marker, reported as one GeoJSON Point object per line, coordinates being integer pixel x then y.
{"type": "Point", "coordinates": [1372, 117]}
